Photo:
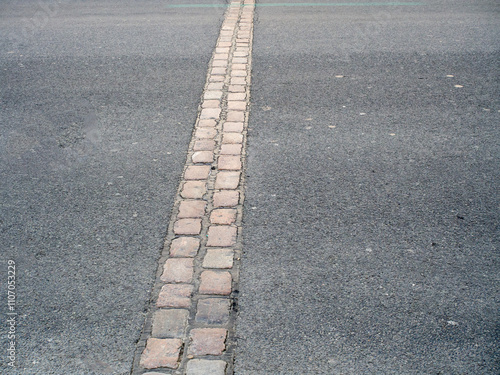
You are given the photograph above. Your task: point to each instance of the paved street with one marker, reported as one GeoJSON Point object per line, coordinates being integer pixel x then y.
{"type": "Point", "coordinates": [370, 219]}
{"type": "Point", "coordinates": [371, 215]}
{"type": "Point", "coordinates": [97, 109]}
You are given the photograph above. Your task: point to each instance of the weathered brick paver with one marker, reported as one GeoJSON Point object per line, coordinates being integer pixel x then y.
{"type": "Point", "coordinates": [191, 209]}
{"type": "Point", "coordinates": [175, 295]}
{"type": "Point", "coordinates": [221, 235]}
{"type": "Point", "coordinates": [229, 162]}
{"type": "Point", "coordinates": [190, 323]}
{"type": "Point", "coordinates": [187, 226]}
{"type": "Point", "coordinates": [213, 311]}
{"type": "Point", "coordinates": [184, 247]}
{"type": "Point", "coordinates": [215, 282]}
{"type": "Point", "coordinates": [227, 198]}
{"type": "Point", "coordinates": [233, 127]}
{"type": "Point", "coordinates": [223, 216]}
{"type": "Point", "coordinates": [170, 323]}
{"type": "Point", "coordinates": [161, 353]}
{"type": "Point", "coordinates": [206, 367]}
{"type": "Point", "coordinates": [203, 157]}
{"type": "Point", "coordinates": [231, 149]}
{"type": "Point", "coordinates": [194, 189]}
{"type": "Point", "coordinates": [218, 258]}
{"type": "Point", "coordinates": [178, 270]}
{"type": "Point", "coordinates": [197, 172]}
{"type": "Point", "coordinates": [207, 341]}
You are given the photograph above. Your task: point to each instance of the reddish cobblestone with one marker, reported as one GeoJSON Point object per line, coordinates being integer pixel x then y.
{"type": "Point", "coordinates": [184, 247]}
{"type": "Point", "coordinates": [221, 56]}
{"type": "Point", "coordinates": [227, 198]}
{"type": "Point", "coordinates": [207, 133]}
{"type": "Point", "coordinates": [219, 63]}
{"type": "Point", "coordinates": [216, 78]}
{"type": "Point", "coordinates": [204, 145]}
{"type": "Point", "coordinates": [239, 67]}
{"type": "Point", "coordinates": [191, 209]}
{"type": "Point", "coordinates": [240, 60]}
{"type": "Point", "coordinates": [236, 96]}
{"type": "Point", "coordinates": [207, 341]}
{"type": "Point", "coordinates": [221, 235]}
{"type": "Point", "coordinates": [175, 295]}
{"type": "Point", "coordinates": [232, 138]}
{"type": "Point", "coordinates": [218, 258]}
{"type": "Point", "coordinates": [210, 113]}
{"type": "Point", "coordinates": [203, 157]}
{"type": "Point", "coordinates": [215, 86]}
{"type": "Point", "coordinates": [177, 270]}
{"type": "Point", "coordinates": [227, 180]}
{"type": "Point", "coordinates": [236, 116]}
{"type": "Point", "coordinates": [229, 162]}
{"type": "Point", "coordinates": [233, 127]}
{"type": "Point", "coordinates": [238, 81]}
{"type": "Point", "coordinates": [187, 226]}
{"type": "Point", "coordinates": [238, 73]}
{"type": "Point", "coordinates": [197, 172]}
{"type": "Point", "coordinates": [222, 50]}
{"type": "Point", "coordinates": [239, 105]}
{"type": "Point", "coordinates": [223, 216]}
{"type": "Point", "coordinates": [237, 88]}
{"type": "Point", "coordinates": [193, 189]}
{"type": "Point", "coordinates": [210, 104]}
{"type": "Point", "coordinates": [218, 71]}
{"type": "Point", "coordinates": [209, 123]}
{"type": "Point", "coordinates": [161, 353]}
{"type": "Point", "coordinates": [215, 282]}
{"type": "Point", "coordinates": [231, 149]}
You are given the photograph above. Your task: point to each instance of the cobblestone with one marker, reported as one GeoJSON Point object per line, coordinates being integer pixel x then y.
{"type": "Point", "coordinates": [177, 270]}
{"type": "Point", "coordinates": [194, 189]}
{"type": "Point", "coordinates": [209, 204]}
{"type": "Point", "coordinates": [218, 258]}
{"type": "Point", "coordinates": [161, 353]}
{"type": "Point", "coordinates": [184, 247]}
{"type": "Point", "coordinates": [207, 341]}
{"type": "Point", "coordinates": [221, 235]}
{"type": "Point", "coordinates": [231, 149]}
{"type": "Point", "coordinates": [191, 209]}
{"type": "Point", "coordinates": [212, 311]}
{"type": "Point", "coordinates": [226, 198]}
{"type": "Point", "coordinates": [197, 172]}
{"type": "Point", "coordinates": [170, 323]}
{"type": "Point", "coordinates": [187, 226]}
{"type": "Point", "coordinates": [175, 295]}
{"type": "Point", "coordinates": [215, 282]}
{"type": "Point", "coordinates": [227, 180]}
{"type": "Point", "coordinates": [205, 367]}
{"type": "Point", "coordinates": [223, 216]}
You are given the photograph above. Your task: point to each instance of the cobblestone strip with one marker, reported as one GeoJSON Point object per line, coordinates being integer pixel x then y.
{"type": "Point", "coordinates": [190, 328]}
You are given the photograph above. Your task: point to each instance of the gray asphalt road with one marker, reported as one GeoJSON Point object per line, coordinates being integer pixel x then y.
{"type": "Point", "coordinates": [97, 104]}
{"type": "Point", "coordinates": [371, 218]}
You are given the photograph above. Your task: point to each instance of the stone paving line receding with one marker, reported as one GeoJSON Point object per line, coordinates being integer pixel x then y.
{"type": "Point", "coordinates": [190, 328]}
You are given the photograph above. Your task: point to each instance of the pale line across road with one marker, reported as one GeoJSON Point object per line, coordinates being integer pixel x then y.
{"type": "Point", "coordinates": [305, 4]}
{"type": "Point", "coordinates": [190, 328]}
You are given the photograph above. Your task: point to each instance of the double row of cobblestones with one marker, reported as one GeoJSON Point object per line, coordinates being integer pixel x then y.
{"type": "Point", "coordinates": [191, 325]}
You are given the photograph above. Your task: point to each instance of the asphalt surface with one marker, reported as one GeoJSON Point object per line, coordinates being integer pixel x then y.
{"type": "Point", "coordinates": [97, 104]}
{"type": "Point", "coordinates": [371, 211]}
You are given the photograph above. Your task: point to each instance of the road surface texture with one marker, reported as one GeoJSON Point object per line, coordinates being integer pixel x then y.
{"type": "Point", "coordinates": [98, 101]}
{"type": "Point", "coordinates": [371, 212]}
